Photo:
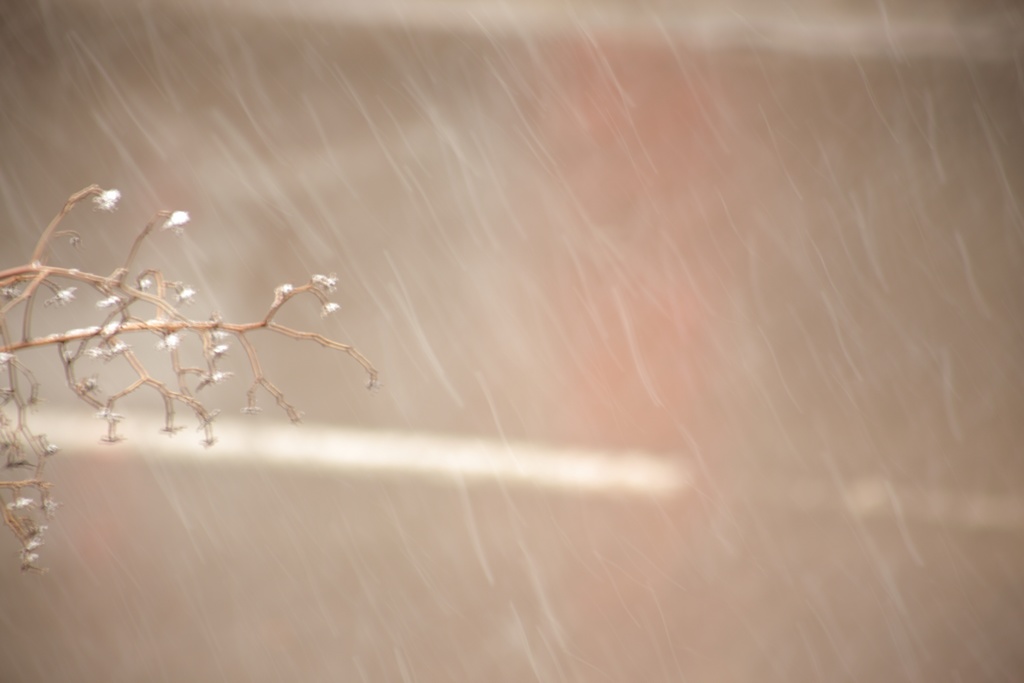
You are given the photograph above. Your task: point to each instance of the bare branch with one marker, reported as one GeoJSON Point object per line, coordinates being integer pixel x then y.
{"type": "Point", "coordinates": [44, 239]}
{"type": "Point", "coordinates": [25, 503]}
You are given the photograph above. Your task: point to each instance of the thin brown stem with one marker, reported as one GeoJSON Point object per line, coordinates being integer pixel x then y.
{"type": "Point", "coordinates": [44, 239]}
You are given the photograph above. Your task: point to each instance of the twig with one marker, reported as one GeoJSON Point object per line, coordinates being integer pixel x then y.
{"type": "Point", "coordinates": [26, 503]}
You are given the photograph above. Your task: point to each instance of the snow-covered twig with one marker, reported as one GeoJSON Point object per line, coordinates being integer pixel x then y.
{"type": "Point", "coordinates": [25, 502]}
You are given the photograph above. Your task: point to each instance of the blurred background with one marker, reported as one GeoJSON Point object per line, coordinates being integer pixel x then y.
{"type": "Point", "coordinates": [768, 255]}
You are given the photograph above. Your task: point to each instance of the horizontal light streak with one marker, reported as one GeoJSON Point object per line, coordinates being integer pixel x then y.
{"type": "Point", "coordinates": [428, 455]}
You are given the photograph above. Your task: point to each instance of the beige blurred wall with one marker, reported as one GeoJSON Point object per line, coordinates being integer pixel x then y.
{"type": "Point", "coordinates": [766, 255]}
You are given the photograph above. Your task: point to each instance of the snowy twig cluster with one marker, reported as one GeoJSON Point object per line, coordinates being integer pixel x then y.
{"type": "Point", "coordinates": [25, 502]}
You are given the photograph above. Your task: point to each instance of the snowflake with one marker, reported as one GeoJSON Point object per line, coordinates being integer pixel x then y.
{"type": "Point", "coordinates": [186, 295]}
{"type": "Point", "coordinates": [109, 416]}
{"type": "Point", "coordinates": [176, 220]}
{"type": "Point", "coordinates": [169, 342]}
{"type": "Point", "coordinates": [108, 302]}
{"type": "Point", "coordinates": [107, 201]}
{"type": "Point", "coordinates": [62, 298]}
{"type": "Point", "coordinates": [214, 378]}
{"type": "Point", "coordinates": [108, 352]}
{"type": "Point", "coordinates": [327, 283]}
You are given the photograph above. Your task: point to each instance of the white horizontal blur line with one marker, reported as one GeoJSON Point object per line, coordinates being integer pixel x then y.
{"type": "Point", "coordinates": [314, 446]}
{"type": "Point", "coordinates": [847, 34]}
{"type": "Point", "coordinates": [870, 498]}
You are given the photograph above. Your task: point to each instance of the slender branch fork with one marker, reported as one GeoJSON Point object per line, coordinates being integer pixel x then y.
{"type": "Point", "coordinates": [25, 502]}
